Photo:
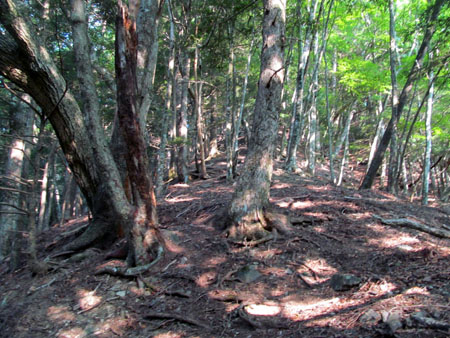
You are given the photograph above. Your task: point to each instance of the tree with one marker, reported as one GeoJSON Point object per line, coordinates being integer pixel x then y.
{"type": "Point", "coordinates": [430, 28]}
{"type": "Point", "coordinates": [248, 217]}
{"type": "Point", "coordinates": [80, 133]}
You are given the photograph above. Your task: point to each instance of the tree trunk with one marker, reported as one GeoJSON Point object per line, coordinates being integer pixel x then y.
{"type": "Point", "coordinates": [80, 133]}
{"type": "Point", "coordinates": [182, 120]}
{"type": "Point", "coordinates": [11, 212]}
{"type": "Point", "coordinates": [248, 209]}
{"type": "Point", "coordinates": [427, 157]}
{"type": "Point", "coordinates": [144, 238]}
{"type": "Point", "coordinates": [199, 113]}
{"type": "Point", "coordinates": [417, 65]}
{"type": "Point", "coordinates": [296, 126]}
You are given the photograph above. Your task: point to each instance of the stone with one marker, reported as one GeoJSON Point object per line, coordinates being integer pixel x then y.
{"type": "Point", "coordinates": [393, 320]}
{"type": "Point", "coordinates": [344, 282]}
{"type": "Point", "coordinates": [121, 294]}
{"type": "Point", "coordinates": [371, 317]}
{"type": "Point", "coordinates": [247, 274]}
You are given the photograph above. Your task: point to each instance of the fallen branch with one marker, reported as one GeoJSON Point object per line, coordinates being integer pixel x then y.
{"type": "Point", "coordinates": [404, 222]}
{"type": "Point", "coordinates": [165, 315]}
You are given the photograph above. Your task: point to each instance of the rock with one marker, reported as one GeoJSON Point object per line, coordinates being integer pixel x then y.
{"type": "Point", "coordinates": [371, 317]}
{"type": "Point", "coordinates": [121, 294]}
{"type": "Point", "coordinates": [393, 320]}
{"type": "Point", "coordinates": [343, 282]}
{"type": "Point", "coordinates": [247, 274]}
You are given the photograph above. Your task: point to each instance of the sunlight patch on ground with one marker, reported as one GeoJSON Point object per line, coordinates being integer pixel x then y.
{"type": "Point", "coordinates": [112, 327]}
{"type": "Point", "coordinates": [74, 332]}
{"type": "Point", "coordinates": [269, 309]}
{"type": "Point", "coordinates": [60, 314]}
{"type": "Point", "coordinates": [206, 278]}
{"type": "Point", "coordinates": [393, 240]}
{"type": "Point", "coordinates": [318, 265]}
{"type": "Point", "coordinates": [265, 254]}
{"type": "Point", "coordinates": [302, 205]}
{"type": "Point", "coordinates": [306, 309]}
{"type": "Point", "coordinates": [88, 299]}
{"type": "Point", "coordinates": [417, 290]}
{"type": "Point", "coordinates": [214, 261]}
{"type": "Point", "coordinates": [281, 186]}
{"type": "Point", "coordinates": [183, 198]}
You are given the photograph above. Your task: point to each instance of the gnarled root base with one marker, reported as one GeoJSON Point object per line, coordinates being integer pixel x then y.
{"type": "Point", "coordinates": [257, 227]}
{"type": "Point", "coordinates": [97, 230]}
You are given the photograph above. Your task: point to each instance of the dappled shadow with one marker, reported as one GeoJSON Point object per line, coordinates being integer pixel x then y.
{"type": "Point", "coordinates": [199, 290]}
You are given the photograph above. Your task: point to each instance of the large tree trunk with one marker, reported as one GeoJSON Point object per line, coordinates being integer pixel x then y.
{"type": "Point", "coordinates": [80, 133]}
{"type": "Point", "coordinates": [144, 238]}
{"type": "Point", "coordinates": [247, 217]}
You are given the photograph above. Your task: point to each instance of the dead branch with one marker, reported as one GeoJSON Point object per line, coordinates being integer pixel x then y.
{"type": "Point", "coordinates": [404, 222]}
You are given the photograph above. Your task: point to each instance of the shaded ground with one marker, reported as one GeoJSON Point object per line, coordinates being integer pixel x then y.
{"type": "Point", "coordinates": [205, 288]}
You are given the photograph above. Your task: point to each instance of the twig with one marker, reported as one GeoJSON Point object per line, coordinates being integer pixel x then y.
{"type": "Point", "coordinates": [255, 242]}
{"type": "Point", "coordinates": [304, 280]}
{"type": "Point", "coordinates": [165, 315]}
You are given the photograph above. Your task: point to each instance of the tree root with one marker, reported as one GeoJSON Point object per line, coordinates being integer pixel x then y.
{"type": "Point", "coordinates": [257, 227]}
{"type": "Point", "coordinates": [124, 271]}
{"type": "Point", "coordinates": [185, 319]}
{"type": "Point", "coordinates": [94, 231]}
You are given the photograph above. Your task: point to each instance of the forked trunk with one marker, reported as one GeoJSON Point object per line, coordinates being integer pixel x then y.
{"type": "Point", "coordinates": [144, 238]}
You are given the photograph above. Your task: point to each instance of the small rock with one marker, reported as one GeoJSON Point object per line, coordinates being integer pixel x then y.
{"type": "Point", "coordinates": [370, 317]}
{"type": "Point", "coordinates": [392, 319]}
{"type": "Point", "coordinates": [247, 274]}
{"type": "Point", "coordinates": [427, 279]}
{"type": "Point", "coordinates": [343, 282]}
{"type": "Point", "coordinates": [405, 247]}
{"type": "Point", "coordinates": [121, 294]}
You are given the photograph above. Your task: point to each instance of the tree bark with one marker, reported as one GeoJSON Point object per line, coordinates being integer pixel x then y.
{"type": "Point", "coordinates": [144, 238]}
{"type": "Point", "coordinates": [248, 209]}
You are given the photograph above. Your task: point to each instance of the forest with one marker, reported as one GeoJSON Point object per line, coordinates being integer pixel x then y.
{"type": "Point", "coordinates": [180, 168]}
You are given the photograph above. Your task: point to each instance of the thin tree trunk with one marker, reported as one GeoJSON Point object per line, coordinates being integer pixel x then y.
{"type": "Point", "coordinates": [240, 116]}
{"type": "Point", "coordinates": [427, 160]}
{"type": "Point", "coordinates": [199, 114]}
{"type": "Point", "coordinates": [296, 126]}
{"type": "Point", "coordinates": [45, 192]}
{"type": "Point", "coordinates": [423, 49]}
{"type": "Point", "coordinates": [182, 120]}
{"type": "Point", "coordinates": [11, 212]}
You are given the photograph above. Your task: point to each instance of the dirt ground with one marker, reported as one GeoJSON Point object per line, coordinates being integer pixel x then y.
{"type": "Point", "coordinates": [207, 287]}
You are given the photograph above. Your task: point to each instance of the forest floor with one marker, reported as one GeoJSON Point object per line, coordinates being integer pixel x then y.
{"type": "Point", "coordinates": [207, 287]}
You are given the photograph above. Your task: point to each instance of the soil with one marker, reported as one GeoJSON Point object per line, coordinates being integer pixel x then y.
{"type": "Point", "coordinates": [208, 287]}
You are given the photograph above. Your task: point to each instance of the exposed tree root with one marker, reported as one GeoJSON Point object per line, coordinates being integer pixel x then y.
{"type": "Point", "coordinates": [257, 227]}
{"type": "Point", "coordinates": [185, 319]}
{"type": "Point", "coordinates": [124, 271]}
{"type": "Point", "coordinates": [96, 230]}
